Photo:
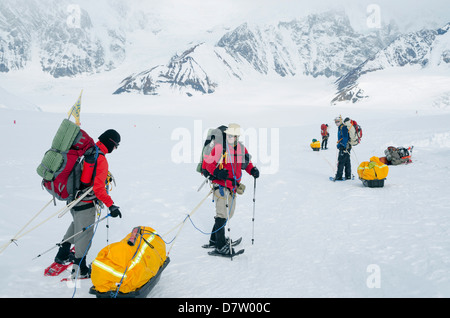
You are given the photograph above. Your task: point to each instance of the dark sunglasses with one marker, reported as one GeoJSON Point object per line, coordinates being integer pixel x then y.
{"type": "Point", "coordinates": [116, 144]}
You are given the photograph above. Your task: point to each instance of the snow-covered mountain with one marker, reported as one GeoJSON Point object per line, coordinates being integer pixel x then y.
{"type": "Point", "coordinates": [182, 71]}
{"type": "Point", "coordinates": [426, 48]}
{"type": "Point", "coordinates": [58, 35]}
{"type": "Point", "coordinates": [323, 44]}
{"type": "Point", "coordinates": [65, 39]}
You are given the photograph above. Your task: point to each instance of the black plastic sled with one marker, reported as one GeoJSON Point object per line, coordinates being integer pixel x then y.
{"type": "Point", "coordinates": [141, 292]}
{"type": "Point", "coordinates": [373, 183]}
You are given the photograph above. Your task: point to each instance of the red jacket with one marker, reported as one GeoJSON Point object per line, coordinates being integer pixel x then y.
{"type": "Point", "coordinates": [101, 173]}
{"type": "Point", "coordinates": [232, 161]}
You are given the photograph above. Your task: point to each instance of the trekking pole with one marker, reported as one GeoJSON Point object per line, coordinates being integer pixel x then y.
{"type": "Point", "coordinates": [337, 164]}
{"type": "Point", "coordinates": [23, 228]}
{"type": "Point", "coordinates": [228, 223]}
{"type": "Point", "coordinates": [201, 186]}
{"type": "Point", "coordinates": [254, 203]}
{"type": "Point", "coordinates": [356, 157]}
{"type": "Point", "coordinates": [76, 234]}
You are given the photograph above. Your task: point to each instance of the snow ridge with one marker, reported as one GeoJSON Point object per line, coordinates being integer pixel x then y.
{"type": "Point", "coordinates": [426, 48]}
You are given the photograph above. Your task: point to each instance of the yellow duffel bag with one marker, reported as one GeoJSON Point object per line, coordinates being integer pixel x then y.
{"type": "Point", "coordinates": [373, 170]}
{"type": "Point", "coordinates": [315, 145]}
{"type": "Point", "coordinates": [130, 263]}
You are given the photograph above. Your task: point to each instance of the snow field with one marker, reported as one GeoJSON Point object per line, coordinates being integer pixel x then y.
{"type": "Point", "coordinates": [313, 237]}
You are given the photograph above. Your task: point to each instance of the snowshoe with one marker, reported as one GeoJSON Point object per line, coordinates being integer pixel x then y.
{"type": "Point", "coordinates": [72, 278]}
{"type": "Point", "coordinates": [233, 243]}
{"type": "Point", "coordinates": [225, 252]}
{"type": "Point", "coordinates": [342, 179]}
{"type": "Point", "coordinates": [56, 269]}
{"type": "Point", "coordinates": [61, 263]}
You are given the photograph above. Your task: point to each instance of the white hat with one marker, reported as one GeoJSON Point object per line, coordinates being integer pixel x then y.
{"type": "Point", "coordinates": [338, 120]}
{"type": "Point", "coordinates": [233, 129]}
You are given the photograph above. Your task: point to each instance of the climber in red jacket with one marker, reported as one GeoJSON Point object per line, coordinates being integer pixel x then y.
{"type": "Point", "coordinates": [84, 212]}
{"type": "Point", "coordinates": [226, 166]}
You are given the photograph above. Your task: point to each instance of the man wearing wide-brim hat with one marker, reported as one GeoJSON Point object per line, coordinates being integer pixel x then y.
{"type": "Point", "coordinates": [226, 166]}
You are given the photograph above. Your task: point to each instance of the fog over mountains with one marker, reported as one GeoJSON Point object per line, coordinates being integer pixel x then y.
{"type": "Point", "coordinates": [69, 40]}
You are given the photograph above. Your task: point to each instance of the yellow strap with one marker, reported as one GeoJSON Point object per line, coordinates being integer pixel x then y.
{"type": "Point", "coordinates": [222, 160]}
{"type": "Point", "coordinates": [108, 180]}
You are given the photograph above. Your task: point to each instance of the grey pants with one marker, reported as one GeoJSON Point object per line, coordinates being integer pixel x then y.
{"type": "Point", "coordinates": [81, 219]}
{"type": "Point", "coordinates": [225, 203]}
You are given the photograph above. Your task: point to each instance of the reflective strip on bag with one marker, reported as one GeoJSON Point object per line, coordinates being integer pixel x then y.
{"type": "Point", "coordinates": [108, 269]}
{"type": "Point", "coordinates": [141, 252]}
{"type": "Point", "coordinates": [135, 261]}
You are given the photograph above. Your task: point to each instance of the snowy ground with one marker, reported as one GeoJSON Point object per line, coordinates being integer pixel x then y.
{"type": "Point", "coordinates": [313, 238]}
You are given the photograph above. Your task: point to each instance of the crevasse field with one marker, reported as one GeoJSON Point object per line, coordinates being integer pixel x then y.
{"type": "Point", "coordinates": [312, 237]}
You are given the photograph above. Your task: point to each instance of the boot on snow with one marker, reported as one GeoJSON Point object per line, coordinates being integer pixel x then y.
{"type": "Point", "coordinates": [80, 269]}
{"type": "Point", "coordinates": [64, 255]}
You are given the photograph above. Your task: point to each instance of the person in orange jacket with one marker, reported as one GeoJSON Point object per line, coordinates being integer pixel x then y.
{"type": "Point", "coordinates": [226, 167]}
{"type": "Point", "coordinates": [84, 212]}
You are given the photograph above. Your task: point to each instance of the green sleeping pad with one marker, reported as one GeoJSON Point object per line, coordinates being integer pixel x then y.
{"type": "Point", "coordinates": [53, 158]}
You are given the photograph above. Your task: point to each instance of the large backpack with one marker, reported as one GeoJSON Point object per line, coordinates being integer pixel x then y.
{"type": "Point", "coordinates": [324, 130]}
{"type": "Point", "coordinates": [214, 135]}
{"type": "Point", "coordinates": [355, 133]}
{"type": "Point", "coordinates": [398, 155]}
{"type": "Point", "coordinates": [60, 168]}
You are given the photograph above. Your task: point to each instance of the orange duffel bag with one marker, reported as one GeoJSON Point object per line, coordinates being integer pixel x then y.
{"type": "Point", "coordinates": [126, 267]}
{"type": "Point", "coordinates": [373, 173]}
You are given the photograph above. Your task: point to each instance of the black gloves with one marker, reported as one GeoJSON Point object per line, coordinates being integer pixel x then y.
{"type": "Point", "coordinates": [254, 172]}
{"type": "Point", "coordinates": [221, 174]}
{"type": "Point", "coordinates": [114, 211]}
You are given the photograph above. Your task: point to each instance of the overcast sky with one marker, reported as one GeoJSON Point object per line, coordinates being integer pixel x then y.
{"type": "Point", "coordinates": [410, 15]}
{"type": "Point", "coordinates": [406, 12]}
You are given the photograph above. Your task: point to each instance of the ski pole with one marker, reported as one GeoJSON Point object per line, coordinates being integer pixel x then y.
{"type": "Point", "coordinates": [201, 186]}
{"type": "Point", "coordinates": [23, 228]}
{"type": "Point", "coordinates": [228, 223]}
{"type": "Point", "coordinates": [357, 161]}
{"type": "Point", "coordinates": [254, 203]}
{"type": "Point", "coordinates": [71, 237]}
